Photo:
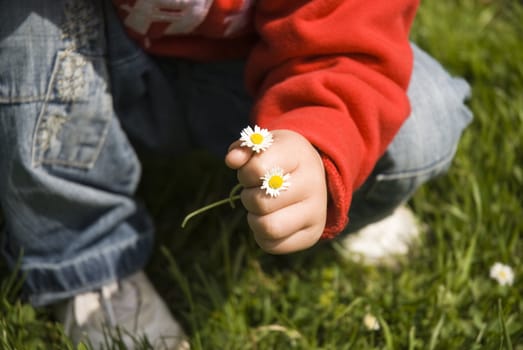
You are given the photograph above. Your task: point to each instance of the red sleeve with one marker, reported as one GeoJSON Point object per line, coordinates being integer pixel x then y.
{"type": "Point", "coordinates": [336, 71]}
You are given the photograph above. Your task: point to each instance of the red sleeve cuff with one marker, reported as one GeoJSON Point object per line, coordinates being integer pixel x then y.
{"type": "Point", "coordinates": [339, 201]}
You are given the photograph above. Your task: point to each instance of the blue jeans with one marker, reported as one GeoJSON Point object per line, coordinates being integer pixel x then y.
{"type": "Point", "coordinates": [73, 92]}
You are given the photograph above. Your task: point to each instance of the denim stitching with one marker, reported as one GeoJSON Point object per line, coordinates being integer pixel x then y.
{"type": "Point", "coordinates": [49, 125]}
{"type": "Point", "coordinates": [68, 84]}
{"type": "Point", "coordinates": [49, 130]}
{"type": "Point", "coordinates": [21, 99]}
{"type": "Point", "coordinates": [41, 135]}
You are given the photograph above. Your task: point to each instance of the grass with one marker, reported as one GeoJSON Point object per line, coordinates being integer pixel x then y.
{"type": "Point", "coordinates": [230, 295]}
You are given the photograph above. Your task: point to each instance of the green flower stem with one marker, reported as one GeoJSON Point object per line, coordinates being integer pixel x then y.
{"type": "Point", "coordinates": [231, 199]}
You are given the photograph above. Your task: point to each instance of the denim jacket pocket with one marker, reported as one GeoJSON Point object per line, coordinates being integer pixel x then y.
{"type": "Point", "coordinates": [75, 115]}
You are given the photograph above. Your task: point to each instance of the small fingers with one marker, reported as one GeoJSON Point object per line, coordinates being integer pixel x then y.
{"type": "Point", "coordinates": [298, 240]}
{"type": "Point", "coordinates": [295, 188]}
{"type": "Point", "coordinates": [286, 222]}
{"type": "Point", "coordinates": [302, 184]}
{"type": "Point", "coordinates": [257, 202]}
{"type": "Point", "coordinates": [251, 174]}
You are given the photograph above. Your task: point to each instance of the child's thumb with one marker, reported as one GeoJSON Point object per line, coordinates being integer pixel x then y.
{"type": "Point", "coordinates": [237, 156]}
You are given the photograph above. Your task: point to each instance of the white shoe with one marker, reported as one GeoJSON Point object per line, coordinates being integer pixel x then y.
{"type": "Point", "coordinates": [128, 310]}
{"type": "Point", "coordinates": [382, 242]}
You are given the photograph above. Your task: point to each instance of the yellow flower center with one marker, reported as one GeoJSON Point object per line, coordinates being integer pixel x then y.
{"type": "Point", "coordinates": [275, 182]}
{"type": "Point", "coordinates": [257, 138]}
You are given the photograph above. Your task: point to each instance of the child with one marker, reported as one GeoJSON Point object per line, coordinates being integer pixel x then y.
{"type": "Point", "coordinates": [360, 119]}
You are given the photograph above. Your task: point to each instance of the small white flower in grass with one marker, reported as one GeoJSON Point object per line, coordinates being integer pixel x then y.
{"type": "Point", "coordinates": [371, 322]}
{"type": "Point", "coordinates": [502, 273]}
{"type": "Point", "coordinates": [275, 181]}
{"type": "Point", "coordinates": [258, 139]}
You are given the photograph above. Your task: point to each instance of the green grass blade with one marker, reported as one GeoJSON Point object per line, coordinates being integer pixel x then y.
{"type": "Point", "coordinates": [504, 331]}
{"type": "Point", "coordinates": [435, 334]}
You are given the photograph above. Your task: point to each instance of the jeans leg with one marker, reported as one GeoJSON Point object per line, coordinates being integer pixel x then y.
{"type": "Point", "coordinates": [424, 146]}
{"type": "Point", "coordinates": [68, 172]}
{"type": "Point", "coordinates": [150, 103]}
{"type": "Point", "coordinates": [216, 103]}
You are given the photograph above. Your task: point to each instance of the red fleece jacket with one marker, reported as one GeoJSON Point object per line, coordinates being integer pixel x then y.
{"type": "Point", "coordinates": [335, 71]}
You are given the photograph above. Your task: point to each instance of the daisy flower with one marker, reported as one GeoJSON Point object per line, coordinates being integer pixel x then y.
{"type": "Point", "coordinates": [502, 273]}
{"type": "Point", "coordinates": [371, 322]}
{"type": "Point", "coordinates": [275, 181]}
{"type": "Point", "coordinates": [258, 139]}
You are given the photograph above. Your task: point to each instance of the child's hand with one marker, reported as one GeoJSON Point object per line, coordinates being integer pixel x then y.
{"type": "Point", "coordinates": [295, 219]}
